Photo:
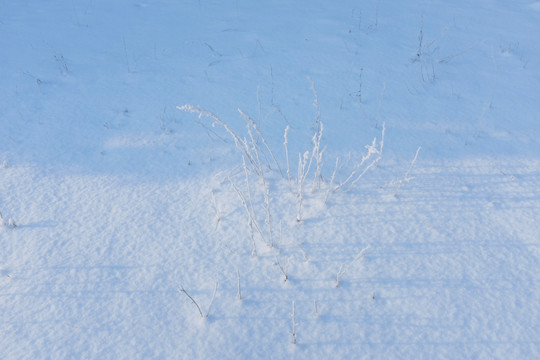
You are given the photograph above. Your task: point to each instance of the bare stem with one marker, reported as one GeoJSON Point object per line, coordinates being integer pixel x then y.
{"type": "Point", "coordinates": [293, 325]}
{"type": "Point", "coordinates": [372, 149]}
{"type": "Point", "coordinates": [406, 178]}
{"type": "Point", "coordinates": [331, 182]}
{"type": "Point", "coordinates": [342, 270]}
{"type": "Point", "coordinates": [283, 270]}
{"type": "Point", "coordinates": [251, 220]}
{"type": "Point", "coordinates": [240, 143]}
{"type": "Point", "coordinates": [317, 152]}
{"type": "Point", "coordinates": [261, 136]}
{"type": "Point", "coordinates": [212, 301]}
{"type": "Point", "coordinates": [239, 290]}
{"type": "Point", "coordinates": [302, 173]}
{"type": "Point", "coordinates": [287, 154]}
{"type": "Point", "coordinates": [216, 209]}
{"type": "Point", "coordinates": [192, 300]}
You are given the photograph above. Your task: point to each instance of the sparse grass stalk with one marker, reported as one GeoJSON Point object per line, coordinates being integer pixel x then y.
{"type": "Point", "coordinates": [261, 136]}
{"type": "Point", "coordinates": [255, 150]}
{"type": "Point", "coordinates": [192, 300]}
{"type": "Point", "coordinates": [268, 213]}
{"type": "Point", "coordinates": [420, 38]}
{"type": "Point", "coordinates": [317, 152]}
{"type": "Point", "coordinates": [406, 177]}
{"type": "Point", "coordinates": [216, 208]}
{"type": "Point", "coordinates": [293, 333]}
{"type": "Point", "coordinates": [300, 183]}
{"type": "Point", "coordinates": [251, 221]}
{"type": "Point", "coordinates": [342, 270]}
{"type": "Point", "coordinates": [203, 315]}
{"type": "Point", "coordinates": [381, 144]}
{"type": "Point", "coordinates": [126, 54]}
{"type": "Point", "coordinates": [285, 136]}
{"type": "Point", "coordinates": [358, 168]}
{"type": "Point", "coordinates": [268, 220]}
{"type": "Point", "coordinates": [280, 235]}
{"type": "Point", "coordinates": [284, 270]}
{"type": "Point", "coordinates": [240, 143]}
{"type": "Point", "coordinates": [248, 187]}
{"type": "Point", "coordinates": [238, 285]}
{"type": "Point", "coordinates": [376, 151]}
{"type": "Point", "coordinates": [266, 192]}
{"type": "Point", "coordinates": [304, 253]}
{"type": "Point", "coordinates": [329, 190]}
{"type": "Point", "coordinates": [212, 301]}
{"type": "Point", "coordinates": [252, 237]}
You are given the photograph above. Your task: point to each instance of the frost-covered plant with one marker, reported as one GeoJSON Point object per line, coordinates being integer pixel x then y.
{"type": "Point", "coordinates": [259, 162]}
{"type": "Point", "coordinates": [302, 174]}
{"type": "Point", "coordinates": [252, 222]}
{"type": "Point", "coordinates": [285, 143]}
{"type": "Point", "coordinates": [258, 156]}
{"type": "Point", "coordinates": [370, 159]}
{"type": "Point", "coordinates": [293, 320]}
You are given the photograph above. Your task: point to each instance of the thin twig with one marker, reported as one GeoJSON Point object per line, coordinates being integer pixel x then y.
{"type": "Point", "coordinates": [240, 143]}
{"type": "Point", "coordinates": [259, 133]}
{"type": "Point", "coordinates": [192, 300]}
{"type": "Point", "coordinates": [293, 325]}
{"type": "Point", "coordinates": [406, 177]}
{"type": "Point", "coordinates": [126, 54]}
{"type": "Point", "coordinates": [216, 209]}
{"type": "Point", "coordinates": [331, 182]}
{"type": "Point", "coordinates": [283, 270]}
{"type": "Point", "coordinates": [212, 301]}
{"type": "Point", "coordinates": [239, 290]}
{"type": "Point", "coordinates": [285, 143]}
{"type": "Point", "coordinates": [342, 271]}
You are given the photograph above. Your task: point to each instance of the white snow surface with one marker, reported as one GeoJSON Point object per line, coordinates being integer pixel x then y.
{"type": "Point", "coordinates": [113, 200]}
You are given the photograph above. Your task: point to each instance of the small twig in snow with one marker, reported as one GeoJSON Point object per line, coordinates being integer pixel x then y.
{"type": "Point", "coordinates": [283, 270]}
{"type": "Point", "coordinates": [197, 305]}
{"type": "Point", "coordinates": [239, 290]}
{"type": "Point", "coordinates": [342, 271]}
{"type": "Point", "coordinates": [192, 300]}
{"type": "Point", "coordinates": [212, 301]}
{"type": "Point", "coordinates": [293, 325]}
{"type": "Point", "coordinates": [406, 178]}
{"type": "Point", "coordinates": [287, 154]}
{"type": "Point", "coordinates": [216, 209]}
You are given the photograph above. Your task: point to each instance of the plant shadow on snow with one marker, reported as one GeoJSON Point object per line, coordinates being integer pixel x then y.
{"type": "Point", "coordinates": [39, 224]}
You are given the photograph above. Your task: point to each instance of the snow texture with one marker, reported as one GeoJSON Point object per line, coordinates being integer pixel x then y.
{"type": "Point", "coordinates": [115, 196]}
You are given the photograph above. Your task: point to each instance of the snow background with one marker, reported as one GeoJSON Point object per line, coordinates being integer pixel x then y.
{"type": "Point", "coordinates": [114, 190]}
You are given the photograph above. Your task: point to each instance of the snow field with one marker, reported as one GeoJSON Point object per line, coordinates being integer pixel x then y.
{"type": "Point", "coordinates": [121, 199]}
